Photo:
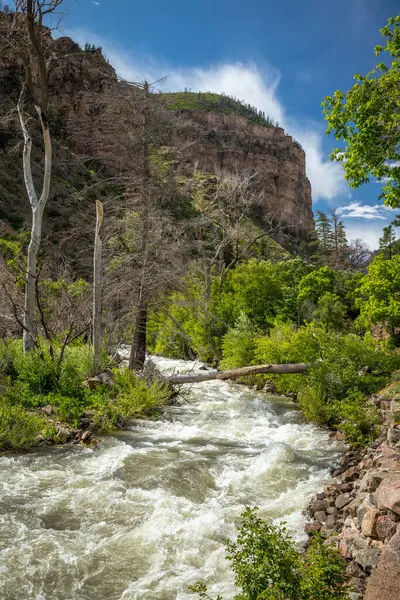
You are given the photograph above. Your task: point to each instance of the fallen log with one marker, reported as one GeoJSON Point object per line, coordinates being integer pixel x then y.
{"type": "Point", "coordinates": [242, 372]}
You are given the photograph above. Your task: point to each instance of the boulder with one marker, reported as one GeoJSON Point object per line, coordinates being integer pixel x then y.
{"type": "Point", "coordinates": [332, 510]}
{"type": "Point", "coordinates": [385, 580]}
{"type": "Point", "coordinates": [346, 487]}
{"type": "Point", "coordinates": [367, 503]}
{"type": "Point", "coordinates": [352, 543]}
{"type": "Point", "coordinates": [393, 436]}
{"type": "Point", "coordinates": [318, 505]}
{"type": "Point", "coordinates": [368, 525]}
{"type": "Point", "coordinates": [385, 527]}
{"type": "Point", "coordinates": [312, 527]}
{"type": "Point", "coordinates": [320, 515]}
{"type": "Point", "coordinates": [388, 494]}
{"type": "Point", "coordinates": [371, 480]}
{"type": "Point", "coordinates": [346, 543]}
{"type": "Point", "coordinates": [48, 410]}
{"type": "Point", "coordinates": [367, 558]}
{"type": "Point", "coordinates": [351, 474]}
{"type": "Point", "coordinates": [330, 522]}
{"type": "Point", "coordinates": [342, 500]}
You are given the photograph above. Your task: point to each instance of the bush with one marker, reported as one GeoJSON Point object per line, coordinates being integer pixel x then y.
{"type": "Point", "coordinates": [238, 344]}
{"type": "Point", "coordinates": [358, 419]}
{"type": "Point", "coordinates": [330, 311]}
{"type": "Point", "coordinates": [313, 403]}
{"type": "Point", "coordinates": [267, 566]}
{"type": "Point", "coordinates": [346, 369]}
{"type": "Point", "coordinates": [32, 380]}
{"type": "Point", "coordinates": [135, 397]}
{"type": "Point", "coordinates": [18, 428]}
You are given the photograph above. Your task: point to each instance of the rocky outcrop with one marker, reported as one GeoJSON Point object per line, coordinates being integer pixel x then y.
{"type": "Point", "coordinates": [360, 510]}
{"type": "Point", "coordinates": [78, 82]}
{"type": "Point", "coordinates": [231, 142]}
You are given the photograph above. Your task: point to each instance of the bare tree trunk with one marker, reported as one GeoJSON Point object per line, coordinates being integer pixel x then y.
{"type": "Point", "coordinates": [242, 372]}
{"type": "Point", "coordinates": [29, 334]}
{"type": "Point", "coordinates": [38, 206]}
{"type": "Point", "coordinates": [138, 348]}
{"type": "Point", "coordinates": [97, 284]}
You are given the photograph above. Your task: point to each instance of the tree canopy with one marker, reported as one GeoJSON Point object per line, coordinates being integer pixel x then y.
{"type": "Point", "coordinates": [367, 119]}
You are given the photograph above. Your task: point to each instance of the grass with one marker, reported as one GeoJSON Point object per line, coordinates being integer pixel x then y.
{"type": "Point", "coordinates": [31, 381]}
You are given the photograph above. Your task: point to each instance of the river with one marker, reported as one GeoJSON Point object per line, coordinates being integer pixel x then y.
{"type": "Point", "coordinates": [145, 515]}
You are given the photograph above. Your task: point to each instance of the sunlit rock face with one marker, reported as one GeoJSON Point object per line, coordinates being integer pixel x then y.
{"type": "Point", "coordinates": [80, 84]}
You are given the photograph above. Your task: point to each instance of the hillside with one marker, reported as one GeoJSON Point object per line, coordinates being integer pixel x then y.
{"type": "Point", "coordinates": [216, 103]}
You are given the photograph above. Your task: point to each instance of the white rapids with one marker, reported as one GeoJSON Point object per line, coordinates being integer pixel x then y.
{"type": "Point", "coordinates": [146, 514]}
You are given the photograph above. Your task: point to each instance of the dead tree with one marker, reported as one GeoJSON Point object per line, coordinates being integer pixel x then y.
{"type": "Point", "coordinates": [97, 289]}
{"type": "Point", "coordinates": [145, 240]}
{"type": "Point", "coordinates": [241, 372]}
{"type": "Point", "coordinates": [28, 46]}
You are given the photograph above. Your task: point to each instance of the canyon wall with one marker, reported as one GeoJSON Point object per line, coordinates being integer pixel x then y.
{"type": "Point", "coordinates": [79, 82]}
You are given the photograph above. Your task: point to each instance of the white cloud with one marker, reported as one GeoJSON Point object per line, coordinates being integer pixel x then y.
{"type": "Point", "coordinates": [356, 210]}
{"type": "Point", "coordinates": [369, 232]}
{"type": "Point", "coordinates": [247, 82]}
{"type": "Point", "coordinates": [366, 222]}
{"type": "Point", "coordinates": [96, 3]}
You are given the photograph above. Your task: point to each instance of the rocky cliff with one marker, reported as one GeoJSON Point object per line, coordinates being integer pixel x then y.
{"type": "Point", "coordinates": [79, 82]}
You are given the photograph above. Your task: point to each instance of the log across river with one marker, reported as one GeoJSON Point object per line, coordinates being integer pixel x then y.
{"type": "Point", "coordinates": [146, 514]}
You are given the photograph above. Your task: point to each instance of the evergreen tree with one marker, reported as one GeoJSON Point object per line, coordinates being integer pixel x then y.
{"type": "Point", "coordinates": [323, 227]}
{"type": "Point", "coordinates": [387, 241]}
{"type": "Point", "coordinates": [339, 244]}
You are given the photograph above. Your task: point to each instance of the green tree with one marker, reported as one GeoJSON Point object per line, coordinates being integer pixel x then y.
{"type": "Point", "coordinates": [312, 287]}
{"type": "Point", "coordinates": [323, 226]}
{"type": "Point", "coordinates": [268, 567]}
{"type": "Point", "coordinates": [387, 242]}
{"type": "Point", "coordinates": [330, 311]}
{"type": "Point", "coordinates": [367, 119]}
{"type": "Point", "coordinates": [379, 294]}
{"type": "Point", "coordinates": [254, 290]}
{"type": "Point", "coordinates": [339, 245]}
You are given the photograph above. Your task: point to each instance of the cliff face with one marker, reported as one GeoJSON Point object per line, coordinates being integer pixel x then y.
{"type": "Point", "coordinates": [278, 162]}
{"type": "Point", "coordinates": [78, 83]}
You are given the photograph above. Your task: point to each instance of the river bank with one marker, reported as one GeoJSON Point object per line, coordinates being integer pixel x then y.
{"type": "Point", "coordinates": [359, 511]}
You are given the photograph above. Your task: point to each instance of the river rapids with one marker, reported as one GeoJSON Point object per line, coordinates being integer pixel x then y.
{"type": "Point", "coordinates": [146, 514]}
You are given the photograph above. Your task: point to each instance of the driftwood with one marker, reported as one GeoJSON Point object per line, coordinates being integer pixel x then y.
{"type": "Point", "coordinates": [242, 372]}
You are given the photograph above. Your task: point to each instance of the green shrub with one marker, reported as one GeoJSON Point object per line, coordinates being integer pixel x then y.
{"type": "Point", "coordinates": [267, 566]}
{"type": "Point", "coordinates": [313, 404]}
{"type": "Point", "coordinates": [357, 418]}
{"type": "Point", "coordinates": [18, 428]}
{"type": "Point", "coordinates": [238, 344]}
{"type": "Point", "coordinates": [346, 369]}
{"type": "Point", "coordinates": [135, 397]}
{"type": "Point", "coordinates": [330, 311]}
{"type": "Point", "coordinates": [323, 573]}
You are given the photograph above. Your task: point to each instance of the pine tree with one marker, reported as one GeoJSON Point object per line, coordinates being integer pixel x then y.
{"type": "Point", "coordinates": [339, 244]}
{"type": "Point", "coordinates": [323, 227]}
{"type": "Point", "coordinates": [387, 241]}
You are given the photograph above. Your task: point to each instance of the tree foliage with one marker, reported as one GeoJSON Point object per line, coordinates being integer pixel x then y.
{"type": "Point", "coordinates": [367, 119]}
{"type": "Point", "coordinates": [268, 567]}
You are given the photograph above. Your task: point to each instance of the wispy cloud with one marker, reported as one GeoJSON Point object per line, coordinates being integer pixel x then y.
{"type": "Point", "coordinates": [356, 210]}
{"type": "Point", "coordinates": [96, 3]}
{"type": "Point", "coordinates": [246, 81]}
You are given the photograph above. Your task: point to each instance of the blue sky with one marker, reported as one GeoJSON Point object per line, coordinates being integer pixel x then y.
{"type": "Point", "coordinates": [283, 56]}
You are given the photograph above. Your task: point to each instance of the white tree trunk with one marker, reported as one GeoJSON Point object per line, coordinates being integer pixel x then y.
{"type": "Point", "coordinates": [240, 372]}
{"type": "Point", "coordinates": [30, 281]}
{"type": "Point", "coordinates": [97, 283]}
{"type": "Point", "coordinates": [38, 206]}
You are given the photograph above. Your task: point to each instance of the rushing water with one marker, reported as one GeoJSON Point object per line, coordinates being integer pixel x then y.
{"type": "Point", "coordinates": [146, 514]}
